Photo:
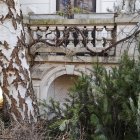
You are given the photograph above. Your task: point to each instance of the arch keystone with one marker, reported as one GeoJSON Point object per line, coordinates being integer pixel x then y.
{"type": "Point", "coordinates": [70, 69]}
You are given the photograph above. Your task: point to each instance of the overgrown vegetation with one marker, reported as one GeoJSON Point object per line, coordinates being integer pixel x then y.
{"type": "Point", "coordinates": [26, 131]}
{"type": "Point", "coordinates": [102, 106]}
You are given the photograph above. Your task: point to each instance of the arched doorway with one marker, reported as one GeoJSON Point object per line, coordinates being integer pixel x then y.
{"type": "Point", "coordinates": [59, 88]}
{"type": "Point", "coordinates": [51, 76]}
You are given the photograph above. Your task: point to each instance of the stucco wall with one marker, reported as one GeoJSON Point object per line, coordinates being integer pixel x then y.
{"type": "Point", "coordinates": [49, 6]}
{"type": "Point", "coordinates": [103, 5]}
{"type": "Point", "coordinates": [38, 6]}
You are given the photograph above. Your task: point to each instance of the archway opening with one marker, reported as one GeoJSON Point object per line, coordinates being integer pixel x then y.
{"type": "Point", "coordinates": [59, 88]}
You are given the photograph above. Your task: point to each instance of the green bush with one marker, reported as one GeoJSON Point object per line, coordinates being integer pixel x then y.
{"type": "Point", "coordinates": [102, 106]}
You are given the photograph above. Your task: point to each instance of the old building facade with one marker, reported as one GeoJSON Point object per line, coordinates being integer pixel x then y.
{"type": "Point", "coordinates": [60, 48]}
{"type": "Point", "coordinates": [52, 6]}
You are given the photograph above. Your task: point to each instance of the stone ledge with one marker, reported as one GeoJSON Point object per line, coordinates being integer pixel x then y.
{"type": "Point", "coordinates": [127, 19]}
{"type": "Point", "coordinates": [75, 59]}
{"type": "Point", "coordinates": [72, 22]}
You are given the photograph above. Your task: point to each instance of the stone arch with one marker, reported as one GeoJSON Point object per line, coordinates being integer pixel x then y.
{"type": "Point", "coordinates": [60, 87]}
{"type": "Point", "coordinates": [55, 73]}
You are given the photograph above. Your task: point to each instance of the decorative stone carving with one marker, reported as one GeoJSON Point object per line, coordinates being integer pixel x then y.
{"type": "Point", "coordinates": [72, 38]}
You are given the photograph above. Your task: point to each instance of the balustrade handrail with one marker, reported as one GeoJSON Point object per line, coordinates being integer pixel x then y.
{"type": "Point", "coordinates": [76, 16]}
{"type": "Point", "coordinates": [93, 39]}
{"type": "Point", "coordinates": [78, 13]}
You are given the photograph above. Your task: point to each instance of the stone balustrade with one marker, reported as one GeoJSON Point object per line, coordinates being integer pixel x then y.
{"type": "Point", "coordinates": [88, 38]}
{"type": "Point", "coordinates": [89, 35]}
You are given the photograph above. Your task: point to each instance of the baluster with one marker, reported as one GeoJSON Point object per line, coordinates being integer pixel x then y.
{"type": "Point", "coordinates": [109, 38]}
{"type": "Point", "coordinates": [52, 29]}
{"type": "Point", "coordinates": [50, 34]}
{"type": "Point", "coordinates": [99, 39]}
{"type": "Point", "coordinates": [85, 32]}
{"type": "Point", "coordinates": [80, 38]}
{"type": "Point", "coordinates": [109, 30]}
{"type": "Point", "coordinates": [71, 39]}
{"type": "Point", "coordinates": [89, 44]}
{"type": "Point", "coordinates": [80, 44]}
{"type": "Point", "coordinates": [33, 30]}
{"type": "Point", "coordinates": [43, 30]}
{"type": "Point", "coordinates": [90, 33]}
{"type": "Point", "coordinates": [61, 29]}
{"type": "Point", "coordinates": [39, 33]}
{"type": "Point", "coordinates": [71, 36]}
{"type": "Point", "coordinates": [99, 30]}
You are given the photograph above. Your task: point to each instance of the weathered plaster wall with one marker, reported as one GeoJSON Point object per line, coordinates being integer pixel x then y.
{"type": "Point", "coordinates": [49, 6]}
{"type": "Point", "coordinates": [38, 6]}
{"type": "Point", "coordinates": [103, 5]}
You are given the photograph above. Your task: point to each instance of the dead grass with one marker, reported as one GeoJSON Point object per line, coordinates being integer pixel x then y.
{"type": "Point", "coordinates": [24, 131]}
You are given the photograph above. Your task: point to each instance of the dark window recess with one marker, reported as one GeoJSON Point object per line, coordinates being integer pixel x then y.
{"type": "Point", "coordinates": [75, 3]}
{"type": "Point", "coordinates": [93, 5]}
{"type": "Point", "coordinates": [57, 5]}
{"type": "Point", "coordinates": [89, 5]}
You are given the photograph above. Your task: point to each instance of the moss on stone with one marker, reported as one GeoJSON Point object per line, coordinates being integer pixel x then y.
{"type": "Point", "coordinates": [72, 21]}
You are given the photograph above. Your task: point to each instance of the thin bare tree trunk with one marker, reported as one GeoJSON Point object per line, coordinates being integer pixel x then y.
{"type": "Point", "coordinates": [15, 74]}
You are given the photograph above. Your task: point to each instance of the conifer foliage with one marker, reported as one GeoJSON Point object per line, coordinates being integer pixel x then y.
{"type": "Point", "coordinates": [102, 106]}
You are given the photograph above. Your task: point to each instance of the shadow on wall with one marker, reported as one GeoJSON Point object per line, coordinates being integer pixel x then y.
{"type": "Point", "coordinates": [59, 88]}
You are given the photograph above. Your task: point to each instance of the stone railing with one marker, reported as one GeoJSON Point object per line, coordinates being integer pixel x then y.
{"type": "Point", "coordinates": [78, 36]}
{"type": "Point", "coordinates": [90, 36]}
{"type": "Point", "coordinates": [75, 16]}
{"type": "Point", "coordinates": [92, 39]}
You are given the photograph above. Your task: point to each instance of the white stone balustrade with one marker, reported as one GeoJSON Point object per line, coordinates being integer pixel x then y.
{"type": "Point", "coordinates": [102, 38]}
